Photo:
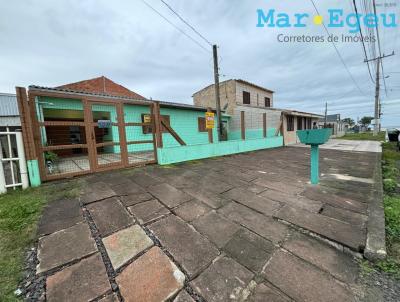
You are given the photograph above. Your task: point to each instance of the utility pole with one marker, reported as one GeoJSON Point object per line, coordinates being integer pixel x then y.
{"type": "Point", "coordinates": [216, 84]}
{"type": "Point", "coordinates": [377, 89]}
{"type": "Point", "coordinates": [326, 114]}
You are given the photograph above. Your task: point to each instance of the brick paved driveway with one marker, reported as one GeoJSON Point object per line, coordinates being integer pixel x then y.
{"type": "Point", "coordinates": [240, 228]}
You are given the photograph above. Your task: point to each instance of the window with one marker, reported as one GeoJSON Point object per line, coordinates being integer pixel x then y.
{"type": "Point", "coordinates": [202, 124]}
{"type": "Point", "coordinates": [267, 102]}
{"type": "Point", "coordinates": [246, 97]}
{"type": "Point", "coordinates": [299, 123]}
{"type": "Point", "coordinates": [309, 123]}
{"type": "Point", "coordinates": [290, 123]}
{"type": "Point", "coordinates": [149, 128]}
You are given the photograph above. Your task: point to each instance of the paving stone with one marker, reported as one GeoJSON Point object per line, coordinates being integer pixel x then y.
{"type": "Point", "coordinates": [278, 186]}
{"type": "Point", "coordinates": [191, 210]}
{"type": "Point", "coordinates": [264, 226]}
{"type": "Point", "coordinates": [265, 293]}
{"type": "Point", "coordinates": [224, 280]}
{"type": "Point", "coordinates": [83, 281]}
{"type": "Point", "coordinates": [169, 195]}
{"type": "Point", "coordinates": [110, 298]}
{"type": "Point", "coordinates": [183, 296]}
{"type": "Point", "coordinates": [255, 188]}
{"type": "Point", "coordinates": [152, 277]}
{"type": "Point", "coordinates": [148, 211]}
{"type": "Point", "coordinates": [126, 244]}
{"type": "Point", "coordinates": [127, 189]}
{"type": "Point", "coordinates": [65, 246]}
{"type": "Point", "coordinates": [97, 191]}
{"type": "Point", "coordinates": [350, 217]}
{"type": "Point", "coordinates": [213, 200]}
{"type": "Point", "coordinates": [263, 205]}
{"type": "Point", "coordinates": [192, 250]}
{"type": "Point", "coordinates": [217, 228]}
{"type": "Point", "coordinates": [348, 235]}
{"type": "Point", "coordinates": [132, 199]}
{"type": "Point", "coordinates": [340, 265]}
{"type": "Point", "coordinates": [212, 184]}
{"type": "Point", "coordinates": [294, 201]}
{"type": "Point", "coordinates": [109, 216]}
{"type": "Point", "coordinates": [249, 249]}
{"type": "Point", "coordinates": [303, 281]}
{"type": "Point", "coordinates": [58, 215]}
{"type": "Point", "coordinates": [145, 180]}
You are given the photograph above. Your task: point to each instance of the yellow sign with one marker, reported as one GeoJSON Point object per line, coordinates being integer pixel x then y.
{"type": "Point", "coordinates": [147, 119]}
{"type": "Point", "coordinates": [209, 120]}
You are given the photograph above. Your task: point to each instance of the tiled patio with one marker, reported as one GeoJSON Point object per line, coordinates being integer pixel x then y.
{"type": "Point", "coordinates": [247, 227]}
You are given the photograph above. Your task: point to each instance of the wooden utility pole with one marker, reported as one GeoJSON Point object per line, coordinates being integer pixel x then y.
{"type": "Point", "coordinates": [377, 115]}
{"type": "Point", "coordinates": [216, 84]}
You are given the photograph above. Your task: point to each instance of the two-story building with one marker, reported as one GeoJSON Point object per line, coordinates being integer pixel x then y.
{"type": "Point", "coordinates": [238, 96]}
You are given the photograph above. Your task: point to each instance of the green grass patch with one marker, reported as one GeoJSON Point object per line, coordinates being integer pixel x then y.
{"type": "Point", "coordinates": [364, 136]}
{"type": "Point", "coordinates": [19, 214]}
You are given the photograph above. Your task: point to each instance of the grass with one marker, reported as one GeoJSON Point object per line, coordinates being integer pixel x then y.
{"type": "Point", "coordinates": [364, 136]}
{"type": "Point", "coordinates": [19, 214]}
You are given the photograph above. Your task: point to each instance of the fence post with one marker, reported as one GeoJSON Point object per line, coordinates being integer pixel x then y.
{"type": "Point", "coordinates": [264, 124]}
{"type": "Point", "coordinates": [3, 188]}
{"type": "Point", "coordinates": [157, 122]}
{"type": "Point", "coordinates": [242, 125]}
{"type": "Point", "coordinates": [210, 131]}
{"type": "Point", "coordinates": [22, 162]}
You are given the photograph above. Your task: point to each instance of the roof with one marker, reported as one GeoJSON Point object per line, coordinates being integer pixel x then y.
{"type": "Point", "coordinates": [8, 105]}
{"type": "Point", "coordinates": [83, 93]}
{"type": "Point", "coordinates": [240, 81]}
{"type": "Point", "coordinates": [102, 85]}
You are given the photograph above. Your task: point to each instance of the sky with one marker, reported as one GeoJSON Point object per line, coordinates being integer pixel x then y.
{"type": "Point", "coordinates": [50, 43]}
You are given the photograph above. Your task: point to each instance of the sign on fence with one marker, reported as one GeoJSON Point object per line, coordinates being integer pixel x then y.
{"type": "Point", "coordinates": [209, 120]}
{"type": "Point", "coordinates": [147, 118]}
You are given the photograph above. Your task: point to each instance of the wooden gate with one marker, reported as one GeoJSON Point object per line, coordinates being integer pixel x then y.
{"type": "Point", "coordinates": [77, 133]}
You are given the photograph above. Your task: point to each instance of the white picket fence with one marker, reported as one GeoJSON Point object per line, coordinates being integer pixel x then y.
{"type": "Point", "coordinates": [13, 171]}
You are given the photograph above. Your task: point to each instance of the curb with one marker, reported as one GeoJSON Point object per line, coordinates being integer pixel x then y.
{"type": "Point", "coordinates": [375, 248]}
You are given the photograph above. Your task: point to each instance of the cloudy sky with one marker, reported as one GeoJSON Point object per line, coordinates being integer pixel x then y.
{"type": "Point", "coordinates": [50, 43]}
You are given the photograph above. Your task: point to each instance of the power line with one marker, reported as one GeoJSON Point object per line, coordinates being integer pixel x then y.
{"type": "Point", "coordinates": [187, 23]}
{"type": "Point", "coordinates": [337, 51]}
{"type": "Point", "coordinates": [363, 44]}
{"type": "Point", "coordinates": [176, 27]}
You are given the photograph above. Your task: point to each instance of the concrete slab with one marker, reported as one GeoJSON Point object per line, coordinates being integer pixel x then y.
{"type": "Point", "coordinates": [264, 292]}
{"type": "Point", "coordinates": [110, 298]}
{"type": "Point", "coordinates": [278, 185]}
{"type": "Point", "coordinates": [126, 244]}
{"type": "Point", "coordinates": [169, 195]}
{"type": "Point", "coordinates": [264, 226]}
{"type": "Point", "coordinates": [335, 230]}
{"type": "Point", "coordinates": [191, 210]}
{"type": "Point", "coordinates": [327, 258]}
{"type": "Point", "coordinates": [190, 249]}
{"type": "Point", "coordinates": [303, 281]}
{"type": "Point", "coordinates": [350, 217]}
{"type": "Point", "coordinates": [152, 277]}
{"type": "Point", "coordinates": [109, 216]}
{"type": "Point", "coordinates": [183, 296]}
{"type": "Point", "coordinates": [132, 199]}
{"type": "Point", "coordinates": [97, 191]}
{"type": "Point", "coordinates": [58, 215]}
{"type": "Point", "coordinates": [148, 211]}
{"type": "Point", "coordinates": [223, 280]}
{"type": "Point", "coordinates": [249, 249]}
{"type": "Point", "coordinates": [83, 281]}
{"type": "Point", "coordinates": [217, 228]}
{"type": "Point", "coordinates": [127, 188]}
{"type": "Point", "coordinates": [65, 246]}
{"type": "Point", "coordinates": [251, 200]}
{"type": "Point", "coordinates": [144, 180]}
{"type": "Point", "coordinates": [213, 200]}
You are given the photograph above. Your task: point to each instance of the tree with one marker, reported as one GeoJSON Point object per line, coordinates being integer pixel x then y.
{"type": "Point", "coordinates": [349, 121]}
{"type": "Point", "coordinates": [366, 120]}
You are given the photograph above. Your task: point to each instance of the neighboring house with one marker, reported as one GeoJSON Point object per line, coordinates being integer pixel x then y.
{"type": "Point", "coordinates": [339, 127]}
{"type": "Point", "coordinates": [9, 114]}
{"type": "Point", "coordinates": [237, 95]}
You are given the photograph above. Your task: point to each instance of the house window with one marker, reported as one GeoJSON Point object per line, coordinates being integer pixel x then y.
{"type": "Point", "coordinates": [267, 102]}
{"type": "Point", "coordinates": [299, 123]}
{"type": "Point", "coordinates": [290, 123]}
{"type": "Point", "coordinates": [147, 129]}
{"type": "Point", "coordinates": [246, 97]}
{"type": "Point", "coordinates": [202, 124]}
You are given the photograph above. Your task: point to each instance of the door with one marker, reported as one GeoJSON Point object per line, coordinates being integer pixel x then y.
{"type": "Point", "coordinates": [107, 135]}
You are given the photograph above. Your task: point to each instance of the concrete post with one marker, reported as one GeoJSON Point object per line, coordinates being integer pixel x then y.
{"type": "Point", "coordinates": [314, 164]}
{"type": "Point", "coordinates": [22, 161]}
